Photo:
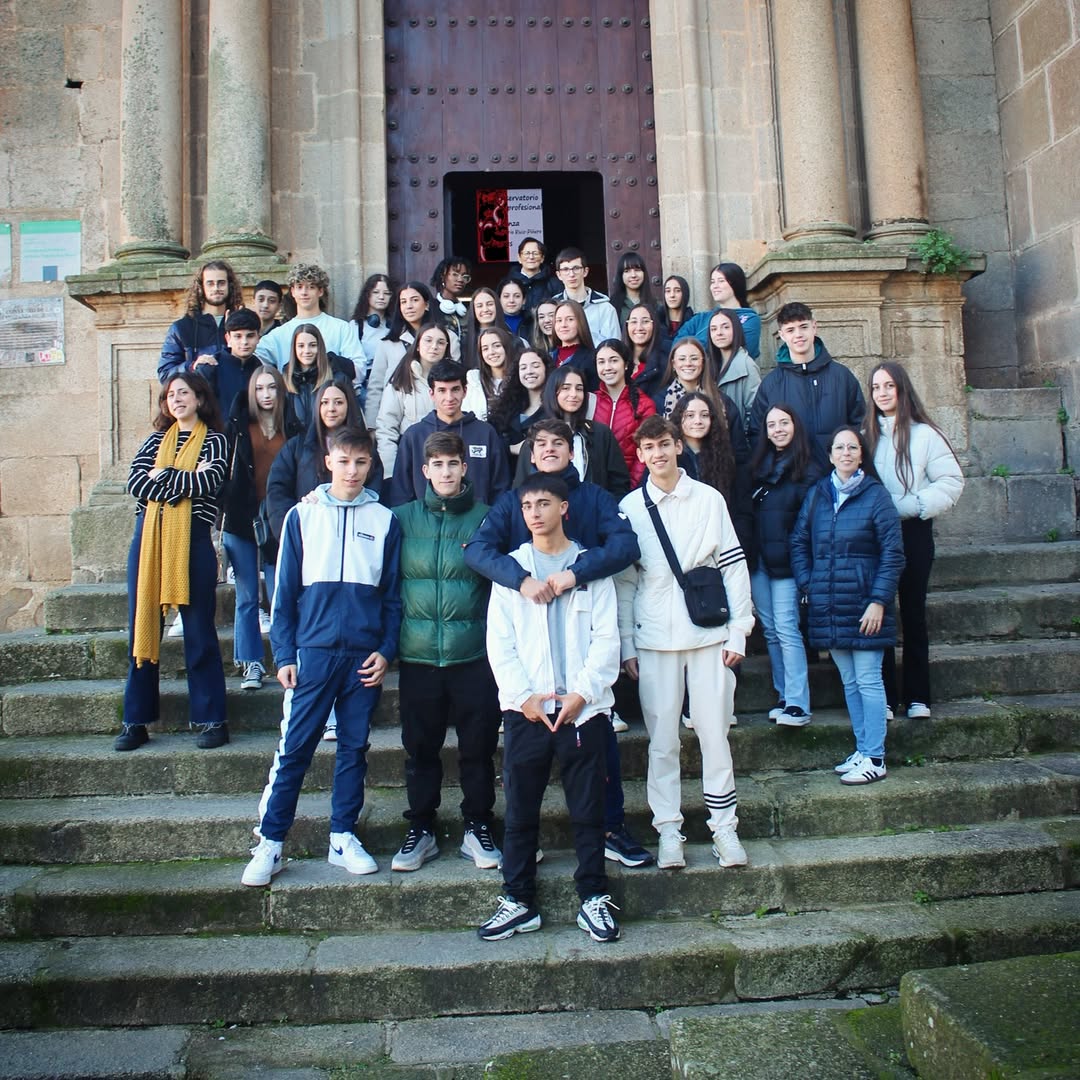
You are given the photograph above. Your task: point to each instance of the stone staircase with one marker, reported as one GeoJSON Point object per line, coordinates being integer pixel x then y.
{"type": "Point", "coordinates": [129, 948]}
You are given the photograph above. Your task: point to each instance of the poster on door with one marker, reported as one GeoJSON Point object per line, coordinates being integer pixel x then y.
{"type": "Point", "coordinates": [504, 217]}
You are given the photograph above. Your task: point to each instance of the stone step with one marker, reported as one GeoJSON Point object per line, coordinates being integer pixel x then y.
{"type": "Point", "coordinates": [152, 828]}
{"type": "Point", "coordinates": [796, 875]}
{"type": "Point", "coordinates": [1017, 509]}
{"type": "Point", "coordinates": [1017, 428]}
{"type": "Point", "coordinates": [315, 978]}
{"type": "Point", "coordinates": [104, 606]}
{"type": "Point", "coordinates": [1013, 1017]}
{"type": "Point", "coordinates": [1005, 612]}
{"type": "Point", "coordinates": [68, 706]}
{"type": "Point", "coordinates": [52, 767]}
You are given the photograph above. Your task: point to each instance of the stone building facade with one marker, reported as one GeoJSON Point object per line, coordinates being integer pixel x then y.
{"type": "Point", "coordinates": [812, 141]}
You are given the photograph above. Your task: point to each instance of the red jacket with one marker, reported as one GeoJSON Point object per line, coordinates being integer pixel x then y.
{"type": "Point", "coordinates": [624, 421]}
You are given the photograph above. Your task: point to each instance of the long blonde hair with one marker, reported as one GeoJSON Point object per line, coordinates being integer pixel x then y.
{"type": "Point", "coordinates": [322, 361]}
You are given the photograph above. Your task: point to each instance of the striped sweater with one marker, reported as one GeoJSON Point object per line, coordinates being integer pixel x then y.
{"type": "Point", "coordinates": [176, 484]}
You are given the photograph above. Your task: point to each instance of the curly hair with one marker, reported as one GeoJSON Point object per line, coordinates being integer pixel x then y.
{"type": "Point", "coordinates": [196, 298]}
{"type": "Point", "coordinates": [513, 398]}
{"type": "Point", "coordinates": [716, 458]}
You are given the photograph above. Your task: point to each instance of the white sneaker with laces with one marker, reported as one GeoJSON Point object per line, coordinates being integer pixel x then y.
{"type": "Point", "coordinates": [264, 622]}
{"type": "Point", "coordinates": [510, 918]}
{"type": "Point", "coordinates": [266, 861]}
{"type": "Point", "coordinates": [727, 847]}
{"type": "Point", "coordinates": [177, 628]}
{"type": "Point", "coordinates": [346, 851]}
{"type": "Point", "coordinates": [596, 920]}
{"type": "Point", "coordinates": [852, 761]}
{"type": "Point", "coordinates": [918, 711]}
{"type": "Point", "coordinates": [478, 844]}
{"type": "Point", "coordinates": [670, 853]}
{"type": "Point", "coordinates": [866, 772]}
{"type": "Point", "coordinates": [618, 724]}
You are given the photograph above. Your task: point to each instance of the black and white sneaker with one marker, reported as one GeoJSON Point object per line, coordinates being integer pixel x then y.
{"type": "Point", "coordinates": [621, 847]}
{"type": "Point", "coordinates": [596, 920]}
{"type": "Point", "coordinates": [793, 716]}
{"type": "Point", "coordinates": [479, 845]}
{"type": "Point", "coordinates": [510, 918]}
{"type": "Point", "coordinates": [418, 848]}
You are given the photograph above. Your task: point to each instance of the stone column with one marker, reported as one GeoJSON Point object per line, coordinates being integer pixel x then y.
{"type": "Point", "coordinates": [892, 120]}
{"type": "Point", "coordinates": [238, 130]}
{"type": "Point", "coordinates": [810, 121]}
{"type": "Point", "coordinates": [151, 146]}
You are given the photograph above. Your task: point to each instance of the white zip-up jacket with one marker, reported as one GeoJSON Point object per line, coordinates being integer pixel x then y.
{"type": "Point", "coordinates": [652, 608]}
{"type": "Point", "coordinates": [398, 412]}
{"type": "Point", "coordinates": [936, 481]}
{"type": "Point", "coordinates": [519, 649]}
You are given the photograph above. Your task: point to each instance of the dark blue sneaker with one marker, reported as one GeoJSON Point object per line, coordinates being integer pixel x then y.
{"type": "Point", "coordinates": [596, 920]}
{"type": "Point", "coordinates": [510, 918]}
{"type": "Point", "coordinates": [621, 847]}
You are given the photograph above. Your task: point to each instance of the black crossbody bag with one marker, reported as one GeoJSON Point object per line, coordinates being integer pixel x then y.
{"type": "Point", "coordinates": [703, 586]}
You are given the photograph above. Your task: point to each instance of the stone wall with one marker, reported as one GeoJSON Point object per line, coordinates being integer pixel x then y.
{"type": "Point", "coordinates": [1037, 53]}
{"type": "Point", "coordinates": [965, 182]}
{"type": "Point", "coordinates": [59, 156]}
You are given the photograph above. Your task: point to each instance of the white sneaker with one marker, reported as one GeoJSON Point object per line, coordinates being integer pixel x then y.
{"type": "Point", "coordinates": [618, 724]}
{"type": "Point", "coordinates": [330, 734]}
{"type": "Point", "coordinates": [253, 676]}
{"type": "Point", "coordinates": [230, 575]}
{"type": "Point", "coordinates": [776, 710]}
{"type": "Point", "coordinates": [479, 845]}
{"type": "Point", "coordinates": [734, 721]}
{"type": "Point", "coordinates": [670, 854]}
{"type": "Point", "coordinates": [266, 861]}
{"type": "Point", "coordinates": [687, 723]}
{"type": "Point", "coordinates": [918, 711]}
{"type": "Point", "coordinates": [852, 761]}
{"type": "Point", "coordinates": [793, 716]}
{"type": "Point", "coordinates": [866, 772]}
{"type": "Point", "coordinates": [889, 713]}
{"type": "Point", "coordinates": [727, 848]}
{"type": "Point", "coordinates": [264, 622]}
{"type": "Point", "coordinates": [347, 851]}
{"type": "Point", "coordinates": [177, 628]}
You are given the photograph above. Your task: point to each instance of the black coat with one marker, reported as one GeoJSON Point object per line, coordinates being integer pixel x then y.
{"type": "Point", "coordinates": [606, 465]}
{"type": "Point", "coordinates": [305, 380]}
{"type": "Point", "coordinates": [776, 500]}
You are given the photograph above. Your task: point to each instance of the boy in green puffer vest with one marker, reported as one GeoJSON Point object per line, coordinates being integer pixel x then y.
{"type": "Point", "coordinates": [444, 677]}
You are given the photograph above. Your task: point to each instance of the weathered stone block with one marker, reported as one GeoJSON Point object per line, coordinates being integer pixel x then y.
{"type": "Point", "coordinates": [1053, 194]}
{"type": "Point", "coordinates": [959, 162]}
{"type": "Point", "coordinates": [14, 549]}
{"type": "Point", "coordinates": [965, 50]}
{"type": "Point", "coordinates": [1020, 509]}
{"type": "Point", "coordinates": [1025, 122]}
{"type": "Point", "coordinates": [1044, 31]}
{"type": "Point", "coordinates": [1046, 275]}
{"type": "Point", "coordinates": [990, 345]}
{"type": "Point", "coordinates": [1064, 77]}
{"type": "Point", "coordinates": [39, 485]}
{"type": "Point", "coordinates": [1007, 61]}
{"type": "Point", "coordinates": [49, 539]}
{"type": "Point", "coordinates": [1018, 404]}
{"type": "Point", "coordinates": [1019, 200]}
{"type": "Point", "coordinates": [959, 103]}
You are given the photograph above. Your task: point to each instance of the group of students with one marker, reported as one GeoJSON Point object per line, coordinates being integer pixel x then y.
{"type": "Point", "coordinates": [611, 486]}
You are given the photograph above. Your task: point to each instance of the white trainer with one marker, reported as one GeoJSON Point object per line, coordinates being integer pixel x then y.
{"type": "Point", "coordinates": [177, 628]}
{"type": "Point", "coordinates": [266, 861]}
{"type": "Point", "coordinates": [618, 724]}
{"type": "Point", "coordinates": [346, 851]}
{"type": "Point", "coordinates": [727, 847]}
{"type": "Point", "coordinates": [852, 761]}
{"type": "Point", "coordinates": [670, 854]}
{"type": "Point", "coordinates": [866, 772]}
{"type": "Point", "coordinates": [918, 711]}
{"type": "Point", "coordinates": [479, 845]}
{"type": "Point", "coordinates": [264, 622]}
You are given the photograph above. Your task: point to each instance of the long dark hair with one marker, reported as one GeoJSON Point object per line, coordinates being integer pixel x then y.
{"type": "Point", "coordinates": [735, 276]}
{"type": "Point", "coordinates": [206, 405]}
{"type": "Point", "coordinates": [867, 463]}
{"type": "Point", "coordinates": [662, 315]}
{"type": "Point", "coordinates": [738, 341]}
{"type": "Point", "coordinates": [322, 361]}
{"type": "Point", "coordinates": [509, 344]}
{"type": "Point", "coordinates": [716, 458]}
{"type": "Point", "coordinates": [627, 357]}
{"type": "Point", "coordinates": [909, 411]}
{"type": "Point", "coordinates": [578, 421]}
{"type": "Point", "coordinates": [513, 398]}
{"type": "Point", "coordinates": [363, 301]}
{"type": "Point", "coordinates": [707, 384]}
{"type": "Point", "coordinates": [470, 352]}
{"type": "Point", "coordinates": [797, 452]}
{"type": "Point", "coordinates": [631, 260]}
{"type": "Point", "coordinates": [397, 322]}
{"type": "Point", "coordinates": [540, 341]}
{"type": "Point", "coordinates": [402, 378]}
{"type": "Point", "coordinates": [353, 416]}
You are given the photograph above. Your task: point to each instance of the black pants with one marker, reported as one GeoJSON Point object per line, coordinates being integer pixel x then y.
{"type": "Point", "coordinates": [914, 581]}
{"type": "Point", "coordinates": [432, 700]}
{"type": "Point", "coordinates": [528, 750]}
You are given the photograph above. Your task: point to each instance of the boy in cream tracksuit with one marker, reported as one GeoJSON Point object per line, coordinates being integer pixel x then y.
{"type": "Point", "coordinates": [668, 654]}
{"type": "Point", "coordinates": [554, 664]}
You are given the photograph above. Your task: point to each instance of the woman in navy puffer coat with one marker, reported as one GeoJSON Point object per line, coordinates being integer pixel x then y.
{"type": "Point", "coordinates": [847, 554]}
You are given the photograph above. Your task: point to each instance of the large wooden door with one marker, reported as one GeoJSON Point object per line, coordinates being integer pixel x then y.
{"type": "Point", "coordinates": [563, 86]}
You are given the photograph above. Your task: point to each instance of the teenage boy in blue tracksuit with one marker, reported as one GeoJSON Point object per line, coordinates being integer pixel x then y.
{"type": "Point", "coordinates": [334, 630]}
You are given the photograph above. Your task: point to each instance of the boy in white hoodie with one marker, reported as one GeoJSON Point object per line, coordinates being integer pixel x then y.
{"type": "Point", "coordinates": [555, 665]}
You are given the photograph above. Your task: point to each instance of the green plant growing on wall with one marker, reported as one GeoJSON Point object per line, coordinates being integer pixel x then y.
{"type": "Point", "coordinates": [940, 253]}
{"type": "Point", "coordinates": [1001, 470]}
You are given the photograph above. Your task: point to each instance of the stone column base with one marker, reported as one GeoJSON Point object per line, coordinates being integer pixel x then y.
{"type": "Point", "coordinates": [101, 533]}
{"type": "Point", "coordinates": [872, 302]}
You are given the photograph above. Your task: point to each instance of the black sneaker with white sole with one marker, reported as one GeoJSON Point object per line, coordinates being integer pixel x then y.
{"type": "Point", "coordinates": [621, 847]}
{"type": "Point", "coordinates": [510, 918]}
{"type": "Point", "coordinates": [596, 920]}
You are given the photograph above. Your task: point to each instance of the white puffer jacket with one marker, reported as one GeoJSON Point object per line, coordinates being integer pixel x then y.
{"type": "Point", "coordinates": [398, 412]}
{"type": "Point", "coordinates": [936, 481]}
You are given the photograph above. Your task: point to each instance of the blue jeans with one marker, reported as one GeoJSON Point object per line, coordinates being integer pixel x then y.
{"type": "Point", "coordinates": [776, 601]}
{"type": "Point", "coordinates": [247, 637]}
{"type": "Point", "coordinates": [864, 692]}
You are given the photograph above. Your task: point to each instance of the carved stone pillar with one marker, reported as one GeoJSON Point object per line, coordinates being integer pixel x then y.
{"type": "Point", "coordinates": [151, 143]}
{"type": "Point", "coordinates": [810, 121]}
{"type": "Point", "coordinates": [892, 120]}
{"type": "Point", "coordinates": [238, 130]}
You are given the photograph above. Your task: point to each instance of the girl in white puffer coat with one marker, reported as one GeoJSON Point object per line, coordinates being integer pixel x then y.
{"type": "Point", "coordinates": [920, 471]}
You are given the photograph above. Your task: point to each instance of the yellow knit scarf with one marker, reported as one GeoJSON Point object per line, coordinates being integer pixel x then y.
{"type": "Point", "coordinates": [165, 550]}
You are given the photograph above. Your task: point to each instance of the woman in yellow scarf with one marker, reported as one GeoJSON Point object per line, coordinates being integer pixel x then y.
{"type": "Point", "coordinates": [176, 477]}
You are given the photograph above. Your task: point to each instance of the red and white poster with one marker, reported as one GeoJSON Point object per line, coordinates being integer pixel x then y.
{"type": "Point", "coordinates": [504, 217]}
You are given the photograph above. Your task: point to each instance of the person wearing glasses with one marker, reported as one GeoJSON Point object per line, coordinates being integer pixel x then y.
{"type": "Point", "coordinates": [572, 268]}
{"type": "Point", "coordinates": [450, 280]}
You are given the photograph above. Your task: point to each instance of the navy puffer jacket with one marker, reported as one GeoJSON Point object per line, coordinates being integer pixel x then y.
{"type": "Point", "coordinates": [777, 499]}
{"type": "Point", "coordinates": [845, 559]}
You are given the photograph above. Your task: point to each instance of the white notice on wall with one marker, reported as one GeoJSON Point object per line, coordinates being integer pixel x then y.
{"type": "Point", "coordinates": [525, 208]}
{"type": "Point", "coordinates": [32, 331]}
{"type": "Point", "coordinates": [49, 250]}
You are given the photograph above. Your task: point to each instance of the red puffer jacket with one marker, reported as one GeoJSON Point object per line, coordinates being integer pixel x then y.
{"type": "Point", "coordinates": [624, 420]}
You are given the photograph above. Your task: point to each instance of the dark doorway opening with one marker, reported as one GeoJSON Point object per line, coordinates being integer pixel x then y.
{"type": "Point", "coordinates": [572, 216]}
